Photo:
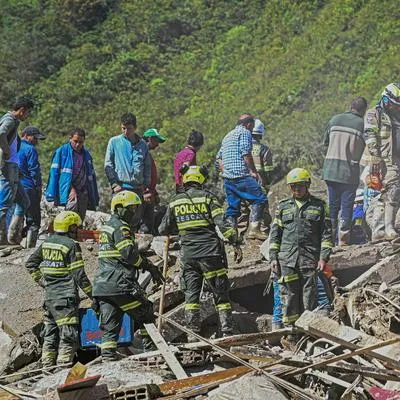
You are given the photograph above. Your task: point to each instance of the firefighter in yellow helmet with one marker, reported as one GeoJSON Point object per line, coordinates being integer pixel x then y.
{"type": "Point", "coordinates": [115, 288]}
{"type": "Point", "coordinates": [195, 213]}
{"type": "Point", "coordinates": [300, 244]}
{"type": "Point", "coordinates": [58, 267]}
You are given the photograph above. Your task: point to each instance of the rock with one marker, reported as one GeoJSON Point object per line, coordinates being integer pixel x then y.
{"type": "Point", "coordinates": [95, 219]}
{"type": "Point", "coordinates": [6, 341]}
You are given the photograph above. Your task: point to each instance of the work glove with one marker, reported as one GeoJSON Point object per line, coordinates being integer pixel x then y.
{"type": "Point", "coordinates": [156, 275]}
{"type": "Point", "coordinates": [238, 253]}
{"type": "Point", "coordinates": [275, 267]}
{"type": "Point", "coordinates": [95, 306]}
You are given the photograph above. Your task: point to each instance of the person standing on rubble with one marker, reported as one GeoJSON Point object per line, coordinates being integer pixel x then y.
{"type": "Point", "coordinates": [195, 213]}
{"type": "Point", "coordinates": [345, 139]}
{"type": "Point", "coordinates": [300, 245]}
{"type": "Point", "coordinates": [72, 180]}
{"type": "Point", "coordinates": [31, 180]}
{"type": "Point", "coordinates": [10, 187]}
{"type": "Point", "coordinates": [262, 157]}
{"type": "Point", "coordinates": [150, 196]}
{"type": "Point", "coordinates": [241, 179]}
{"type": "Point", "coordinates": [115, 288]}
{"type": "Point", "coordinates": [382, 127]}
{"type": "Point", "coordinates": [57, 266]}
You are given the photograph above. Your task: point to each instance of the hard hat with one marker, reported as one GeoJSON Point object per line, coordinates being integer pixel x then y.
{"type": "Point", "coordinates": [298, 175]}
{"type": "Point", "coordinates": [125, 198]}
{"type": "Point", "coordinates": [194, 174]}
{"type": "Point", "coordinates": [65, 220]}
{"type": "Point", "coordinates": [259, 128]}
{"type": "Point", "coordinates": [391, 93]}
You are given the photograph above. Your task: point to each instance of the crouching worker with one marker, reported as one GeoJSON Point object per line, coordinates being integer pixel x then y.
{"type": "Point", "coordinates": [300, 245]}
{"type": "Point", "coordinates": [58, 267]}
{"type": "Point", "coordinates": [195, 213]}
{"type": "Point", "coordinates": [115, 288]}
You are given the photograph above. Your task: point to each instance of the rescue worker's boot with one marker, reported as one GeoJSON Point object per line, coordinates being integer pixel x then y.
{"type": "Point", "coordinates": [193, 323]}
{"type": "Point", "coordinates": [226, 322]}
{"type": "Point", "coordinates": [255, 231]}
{"type": "Point", "coordinates": [15, 229]}
{"type": "Point", "coordinates": [31, 238]}
{"type": "Point", "coordinates": [344, 233]}
{"type": "Point", "coordinates": [147, 342]}
{"type": "Point", "coordinates": [390, 218]}
{"type": "Point", "coordinates": [334, 223]}
{"type": "Point", "coordinates": [3, 229]}
{"type": "Point", "coordinates": [49, 358]}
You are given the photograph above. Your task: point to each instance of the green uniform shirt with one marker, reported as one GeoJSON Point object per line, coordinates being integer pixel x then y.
{"type": "Point", "coordinates": [57, 263]}
{"type": "Point", "coordinates": [301, 236]}
{"type": "Point", "coordinates": [262, 158]}
{"type": "Point", "coordinates": [119, 259]}
{"type": "Point", "coordinates": [195, 213]}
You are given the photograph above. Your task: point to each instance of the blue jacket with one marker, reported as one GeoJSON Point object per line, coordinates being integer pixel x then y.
{"type": "Point", "coordinates": [60, 177]}
{"type": "Point", "coordinates": [126, 164]}
{"type": "Point", "coordinates": [29, 166]}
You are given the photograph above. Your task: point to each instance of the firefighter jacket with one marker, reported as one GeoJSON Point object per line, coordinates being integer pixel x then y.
{"type": "Point", "coordinates": [380, 141]}
{"type": "Point", "coordinates": [262, 157]}
{"type": "Point", "coordinates": [57, 265]}
{"type": "Point", "coordinates": [119, 259]}
{"type": "Point", "coordinates": [195, 213]}
{"type": "Point", "coordinates": [301, 233]}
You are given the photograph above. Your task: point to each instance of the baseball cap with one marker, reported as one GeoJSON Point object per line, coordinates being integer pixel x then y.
{"type": "Point", "coordinates": [33, 131]}
{"type": "Point", "coordinates": [152, 132]}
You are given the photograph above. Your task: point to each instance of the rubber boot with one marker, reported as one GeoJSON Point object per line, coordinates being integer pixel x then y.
{"type": "Point", "coordinates": [3, 229]}
{"type": "Point", "coordinates": [376, 220]}
{"type": "Point", "coordinates": [48, 359]}
{"type": "Point", "coordinates": [344, 233]}
{"type": "Point", "coordinates": [390, 218]}
{"type": "Point", "coordinates": [15, 229]}
{"type": "Point", "coordinates": [226, 322]}
{"type": "Point", "coordinates": [255, 231]}
{"type": "Point", "coordinates": [193, 323]}
{"type": "Point", "coordinates": [334, 223]}
{"type": "Point", "coordinates": [31, 238]}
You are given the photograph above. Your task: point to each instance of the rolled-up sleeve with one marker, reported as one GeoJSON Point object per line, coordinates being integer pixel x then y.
{"type": "Point", "coordinates": [245, 143]}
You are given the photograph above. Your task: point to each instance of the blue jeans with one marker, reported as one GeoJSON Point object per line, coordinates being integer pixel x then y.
{"type": "Point", "coordinates": [341, 198]}
{"type": "Point", "coordinates": [246, 188]}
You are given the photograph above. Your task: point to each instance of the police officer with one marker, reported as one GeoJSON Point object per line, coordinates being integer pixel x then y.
{"type": "Point", "coordinates": [382, 126]}
{"type": "Point", "coordinates": [195, 213]}
{"type": "Point", "coordinates": [262, 157]}
{"type": "Point", "coordinates": [300, 245]}
{"type": "Point", "coordinates": [115, 286]}
{"type": "Point", "coordinates": [58, 267]}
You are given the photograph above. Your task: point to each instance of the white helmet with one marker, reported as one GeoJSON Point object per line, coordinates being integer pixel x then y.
{"type": "Point", "coordinates": [259, 128]}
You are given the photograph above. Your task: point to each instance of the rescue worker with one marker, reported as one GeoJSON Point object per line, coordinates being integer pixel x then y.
{"type": "Point", "coordinates": [57, 266]}
{"type": "Point", "coordinates": [300, 245]}
{"type": "Point", "coordinates": [382, 126]}
{"type": "Point", "coordinates": [195, 213]}
{"type": "Point", "coordinates": [115, 288]}
{"type": "Point", "coordinates": [262, 158]}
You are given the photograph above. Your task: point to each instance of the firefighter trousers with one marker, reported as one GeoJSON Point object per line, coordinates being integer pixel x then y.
{"type": "Point", "coordinates": [112, 309]}
{"type": "Point", "coordinates": [214, 271]}
{"type": "Point", "coordinates": [300, 285]}
{"type": "Point", "coordinates": [61, 331]}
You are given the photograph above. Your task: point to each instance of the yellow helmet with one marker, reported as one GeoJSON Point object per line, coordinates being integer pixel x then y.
{"type": "Point", "coordinates": [125, 198]}
{"type": "Point", "coordinates": [65, 220]}
{"type": "Point", "coordinates": [298, 175]}
{"type": "Point", "coordinates": [194, 174]}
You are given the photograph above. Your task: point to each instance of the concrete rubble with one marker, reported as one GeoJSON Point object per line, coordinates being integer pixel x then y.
{"type": "Point", "coordinates": [353, 353]}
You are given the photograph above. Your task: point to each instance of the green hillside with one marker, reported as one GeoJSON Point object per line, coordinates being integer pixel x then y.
{"type": "Point", "coordinates": [180, 65]}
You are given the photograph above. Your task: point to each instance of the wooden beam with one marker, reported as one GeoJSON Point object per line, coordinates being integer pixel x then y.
{"type": "Point", "coordinates": [168, 355]}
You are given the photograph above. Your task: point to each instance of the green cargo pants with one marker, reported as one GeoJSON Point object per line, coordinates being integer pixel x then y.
{"type": "Point", "coordinates": [300, 285]}
{"type": "Point", "coordinates": [214, 270]}
{"type": "Point", "coordinates": [112, 309]}
{"type": "Point", "coordinates": [61, 333]}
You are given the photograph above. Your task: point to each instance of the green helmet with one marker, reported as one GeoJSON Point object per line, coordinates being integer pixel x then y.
{"type": "Point", "coordinates": [298, 175]}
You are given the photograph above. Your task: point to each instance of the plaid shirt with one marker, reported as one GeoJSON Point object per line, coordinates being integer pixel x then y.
{"type": "Point", "coordinates": [235, 145]}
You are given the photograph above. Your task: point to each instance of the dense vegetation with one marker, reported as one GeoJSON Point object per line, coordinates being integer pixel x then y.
{"type": "Point", "coordinates": [183, 64]}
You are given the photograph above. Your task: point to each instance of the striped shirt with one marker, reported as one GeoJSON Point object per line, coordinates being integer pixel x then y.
{"type": "Point", "coordinates": [235, 145]}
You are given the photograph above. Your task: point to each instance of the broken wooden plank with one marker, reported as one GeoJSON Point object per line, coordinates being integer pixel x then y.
{"type": "Point", "coordinates": [168, 355]}
{"type": "Point", "coordinates": [318, 326]}
{"type": "Point", "coordinates": [345, 356]}
{"type": "Point", "coordinates": [376, 373]}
